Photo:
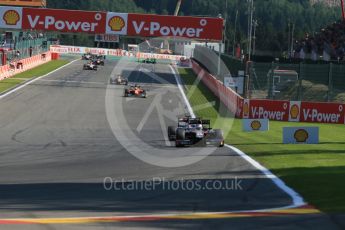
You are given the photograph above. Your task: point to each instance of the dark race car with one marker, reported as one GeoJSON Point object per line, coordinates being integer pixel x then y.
{"type": "Point", "coordinates": [87, 56]}
{"type": "Point", "coordinates": [99, 61]}
{"type": "Point", "coordinates": [135, 91]}
{"type": "Point", "coordinates": [90, 66]}
{"type": "Point", "coordinates": [119, 80]}
{"type": "Point", "coordinates": [195, 131]}
{"type": "Point", "coordinates": [149, 61]}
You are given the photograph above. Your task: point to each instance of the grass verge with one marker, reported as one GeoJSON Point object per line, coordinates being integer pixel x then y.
{"type": "Point", "coordinates": [30, 74]}
{"type": "Point", "coordinates": [317, 172]}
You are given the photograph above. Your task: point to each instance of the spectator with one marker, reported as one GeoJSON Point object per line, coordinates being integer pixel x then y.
{"type": "Point", "coordinates": [30, 51]}
{"type": "Point", "coordinates": [329, 42]}
{"type": "Point", "coordinates": [17, 54]}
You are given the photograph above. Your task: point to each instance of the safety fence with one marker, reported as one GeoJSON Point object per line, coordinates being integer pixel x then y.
{"type": "Point", "coordinates": [316, 82]}
{"type": "Point", "coordinates": [22, 65]}
{"type": "Point", "coordinates": [278, 110]}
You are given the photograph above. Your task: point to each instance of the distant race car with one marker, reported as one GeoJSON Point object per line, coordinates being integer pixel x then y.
{"type": "Point", "coordinates": [99, 61]}
{"type": "Point", "coordinates": [90, 66]}
{"type": "Point", "coordinates": [135, 91]}
{"type": "Point", "coordinates": [149, 61]}
{"type": "Point", "coordinates": [195, 131]}
{"type": "Point", "coordinates": [119, 80]}
{"type": "Point", "coordinates": [87, 56]}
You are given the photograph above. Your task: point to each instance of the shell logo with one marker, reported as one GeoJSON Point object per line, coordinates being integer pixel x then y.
{"type": "Point", "coordinates": [245, 109]}
{"type": "Point", "coordinates": [301, 136]}
{"type": "Point", "coordinates": [116, 23]}
{"type": "Point", "coordinates": [294, 111]}
{"type": "Point", "coordinates": [256, 125]}
{"type": "Point", "coordinates": [11, 17]}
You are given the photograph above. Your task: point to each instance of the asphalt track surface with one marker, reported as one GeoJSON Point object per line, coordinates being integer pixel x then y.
{"type": "Point", "coordinates": [57, 147]}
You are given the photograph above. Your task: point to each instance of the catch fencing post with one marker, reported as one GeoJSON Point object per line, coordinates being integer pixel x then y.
{"type": "Point", "coordinates": [330, 85]}
{"type": "Point", "coordinates": [300, 82]}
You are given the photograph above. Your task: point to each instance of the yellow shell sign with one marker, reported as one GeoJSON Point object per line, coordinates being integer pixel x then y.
{"type": "Point", "coordinates": [294, 111]}
{"type": "Point", "coordinates": [11, 17]}
{"type": "Point", "coordinates": [256, 125]}
{"type": "Point", "coordinates": [116, 23]}
{"type": "Point", "coordinates": [301, 136]}
{"type": "Point", "coordinates": [245, 109]}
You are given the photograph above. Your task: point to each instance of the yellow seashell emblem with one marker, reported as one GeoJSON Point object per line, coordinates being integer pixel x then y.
{"type": "Point", "coordinates": [294, 111]}
{"type": "Point", "coordinates": [11, 17]}
{"type": "Point", "coordinates": [116, 23]}
{"type": "Point", "coordinates": [301, 136]}
{"type": "Point", "coordinates": [256, 125]}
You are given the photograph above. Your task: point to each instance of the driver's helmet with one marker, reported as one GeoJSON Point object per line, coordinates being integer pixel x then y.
{"type": "Point", "coordinates": [119, 76]}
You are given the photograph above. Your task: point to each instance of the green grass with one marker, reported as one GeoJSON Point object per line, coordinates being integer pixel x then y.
{"type": "Point", "coordinates": [317, 172]}
{"type": "Point", "coordinates": [9, 83]}
{"type": "Point", "coordinates": [42, 69]}
{"type": "Point", "coordinates": [29, 74]}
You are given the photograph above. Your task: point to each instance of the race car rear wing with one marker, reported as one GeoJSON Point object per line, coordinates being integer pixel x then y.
{"type": "Point", "coordinates": [206, 122]}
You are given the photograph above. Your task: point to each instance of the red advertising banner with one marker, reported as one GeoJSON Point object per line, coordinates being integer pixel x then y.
{"type": "Point", "coordinates": [272, 110]}
{"type": "Point", "coordinates": [70, 21]}
{"type": "Point", "coordinates": [113, 23]}
{"type": "Point", "coordinates": [322, 112]}
{"type": "Point", "coordinates": [146, 25]}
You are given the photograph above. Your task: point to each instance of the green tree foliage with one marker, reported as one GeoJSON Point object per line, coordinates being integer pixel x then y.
{"type": "Point", "coordinates": [273, 16]}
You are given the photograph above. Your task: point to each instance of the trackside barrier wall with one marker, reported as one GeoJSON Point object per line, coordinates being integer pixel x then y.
{"type": "Point", "coordinates": [227, 96]}
{"type": "Point", "coordinates": [293, 111]}
{"type": "Point", "coordinates": [22, 65]}
{"type": "Point", "coordinates": [111, 52]}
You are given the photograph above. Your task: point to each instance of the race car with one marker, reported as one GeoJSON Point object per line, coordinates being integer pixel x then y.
{"type": "Point", "coordinates": [195, 131]}
{"type": "Point", "coordinates": [87, 56]}
{"type": "Point", "coordinates": [99, 61]}
{"type": "Point", "coordinates": [149, 61]}
{"type": "Point", "coordinates": [135, 91]}
{"type": "Point", "coordinates": [119, 80]}
{"type": "Point", "coordinates": [90, 66]}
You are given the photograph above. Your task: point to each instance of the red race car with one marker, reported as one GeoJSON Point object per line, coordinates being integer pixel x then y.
{"type": "Point", "coordinates": [135, 91]}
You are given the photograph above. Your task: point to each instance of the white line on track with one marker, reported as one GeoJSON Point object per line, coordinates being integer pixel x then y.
{"type": "Point", "coordinates": [35, 79]}
{"type": "Point", "coordinates": [297, 200]}
{"type": "Point", "coordinates": [67, 81]}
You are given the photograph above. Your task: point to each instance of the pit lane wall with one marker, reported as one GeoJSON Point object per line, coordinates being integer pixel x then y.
{"type": "Point", "coordinates": [112, 52]}
{"type": "Point", "coordinates": [293, 111]}
{"type": "Point", "coordinates": [18, 66]}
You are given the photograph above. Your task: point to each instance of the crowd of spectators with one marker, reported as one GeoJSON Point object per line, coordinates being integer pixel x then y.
{"type": "Point", "coordinates": [328, 44]}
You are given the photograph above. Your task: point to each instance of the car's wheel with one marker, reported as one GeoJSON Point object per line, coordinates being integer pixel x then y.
{"type": "Point", "coordinates": [180, 136]}
{"type": "Point", "coordinates": [172, 133]}
{"type": "Point", "coordinates": [126, 93]}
